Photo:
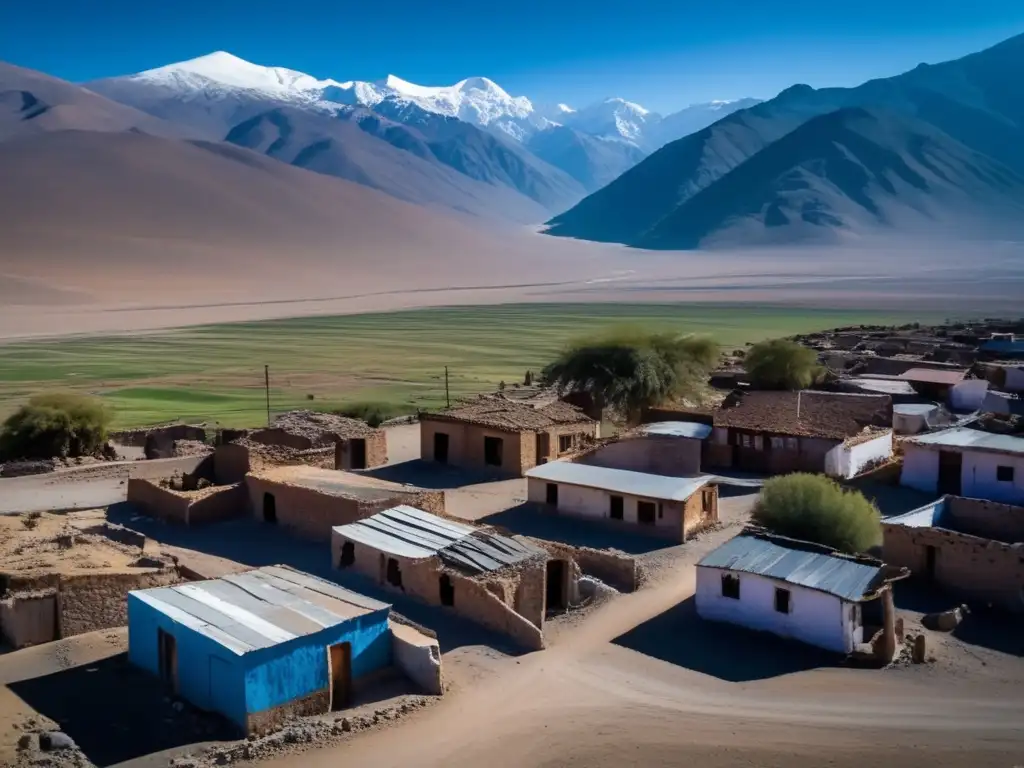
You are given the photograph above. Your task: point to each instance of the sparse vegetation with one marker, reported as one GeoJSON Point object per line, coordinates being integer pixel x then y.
{"type": "Point", "coordinates": [781, 364]}
{"type": "Point", "coordinates": [816, 508]}
{"type": "Point", "coordinates": [56, 424]}
{"type": "Point", "coordinates": [630, 370]}
{"type": "Point", "coordinates": [374, 413]}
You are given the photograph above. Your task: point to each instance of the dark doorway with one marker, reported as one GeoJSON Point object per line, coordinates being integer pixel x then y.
{"type": "Point", "coordinates": [447, 590]}
{"type": "Point", "coordinates": [951, 464]}
{"type": "Point", "coordinates": [441, 447]}
{"type": "Point", "coordinates": [357, 451]}
{"type": "Point", "coordinates": [555, 587]}
{"type": "Point", "coordinates": [551, 494]}
{"type": "Point", "coordinates": [167, 649]}
{"type": "Point", "coordinates": [616, 507]}
{"type": "Point", "coordinates": [341, 674]}
{"type": "Point", "coordinates": [645, 511]}
{"type": "Point", "coordinates": [930, 554]}
{"type": "Point", "coordinates": [493, 449]}
{"type": "Point", "coordinates": [543, 447]}
{"type": "Point", "coordinates": [394, 574]}
{"type": "Point", "coordinates": [269, 508]}
{"type": "Point", "coordinates": [348, 554]}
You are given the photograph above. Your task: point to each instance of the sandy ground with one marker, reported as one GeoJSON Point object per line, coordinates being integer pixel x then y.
{"type": "Point", "coordinates": [636, 680]}
{"type": "Point", "coordinates": [29, 543]}
{"type": "Point", "coordinates": [44, 301]}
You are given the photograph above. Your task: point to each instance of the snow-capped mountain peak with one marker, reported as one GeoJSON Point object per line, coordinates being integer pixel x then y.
{"type": "Point", "coordinates": [229, 70]}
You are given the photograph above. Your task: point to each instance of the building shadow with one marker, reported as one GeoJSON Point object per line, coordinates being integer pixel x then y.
{"type": "Point", "coordinates": [734, 654]}
{"type": "Point", "coordinates": [985, 627]}
{"type": "Point", "coordinates": [892, 500]}
{"type": "Point", "coordinates": [255, 544]}
{"type": "Point", "coordinates": [428, 474]}
{"type": "Point", "coordinates": [531, 519]}
{"type": "Point", "coordinates": [116, 712]}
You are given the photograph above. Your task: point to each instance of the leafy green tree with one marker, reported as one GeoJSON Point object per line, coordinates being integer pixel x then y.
{"type": "Point", "coordinates": [56, 424]}
{"type": "Point", "coordinates": [630, 370]}
{"type": "Point", "coordinates": [816, 508]}
{"type": "Point", "coordinates": [781, 364]}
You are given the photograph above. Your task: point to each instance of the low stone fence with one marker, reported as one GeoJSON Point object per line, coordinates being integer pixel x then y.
{"type": "Point", "coordinates": [208, 505]}
{"type": "Point", "coordinates": [617, 569]}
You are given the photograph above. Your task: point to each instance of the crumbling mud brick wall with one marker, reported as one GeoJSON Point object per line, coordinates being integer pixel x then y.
{"type": "Point", "coordinates": [157, 501]}
{"type": "Point", "coordinates": [430, 501]}
{"type": "Point", "coordinates": [474, 601]}
{"type": "Point", "coordinates": [987, 519]}
{"type": "Point", "coordinates": [167, 434]}
{"type": "Point", "coordinates": [310, 513]}
{"type": "Point", "coordinates": [980, 569]}
{"type": "Point", "coordinates": [531, 591]}
{"type": "Point", "coordinates": [230, 463]}
{"type": "Point", "coordinates": [90, 602]}
{"type": "Point", "coordinates": [700, 511]}
{"type": "Point", "coordinates": [617, 569]}
{"type": "Point", "coordinates": [29, 618]}
{"type": "Point", "coordinates": [278, 436]}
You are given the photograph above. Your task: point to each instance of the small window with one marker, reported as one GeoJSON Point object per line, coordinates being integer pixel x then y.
{"type": "Point", "coordinates": [564, 443]}
{"type": "Point", "coordinates": [1004, 474]}
{"type": "Point", "coordinates": [747, 441]}
{"type": "Point", "coordinates": [551, 494]}
{"type": "Point", "coordinates": [792, 444]}
{"type": "Point", "coordinates": [706, 499]}
{"type": "Point", "coordinates": [782, 600]}
{"type": "Point", "coordinates": [493, 451]}
{"type": "Point", "coordinates": [730, 586]}
{"type": "Point", "coordinates": [758, 443]}
{"type": "Point", "coordinates": [776, 443]}
{"type": "Point", "coordinates": [394, 573]}
{"type": "Point", "coordinates": [661, 511]}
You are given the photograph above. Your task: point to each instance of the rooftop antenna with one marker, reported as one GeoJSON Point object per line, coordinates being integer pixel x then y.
{"type": "Point", "coordinates": [798, 405]}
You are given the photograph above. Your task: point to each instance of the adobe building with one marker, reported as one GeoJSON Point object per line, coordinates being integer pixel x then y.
{"type": "Point", "coordinates": [803, 591]}
{"type": "Point", "coordinates": [309, 501]}
{"type": "Point", "coordinates": [502, 583]}
{"type": "Point", "coordinates": [671, 448]}
{"type": "Point", "coordinates": [356, 444]}
{"type": "Point", "coordinates": [839, 434]}
{"type": "Point", "coordinates": [970, 547]}
{"type": "Point", "coordinates": [267, 645]}
{"type": "Point", "coordinates": [64, 575]}
{"type": "Point", "coordinates": [674, 507]}
{"type": "Point", "coordinates": [966, 462]}
{"type": "Point", "coordinates": [502, 434]}
{"type": "Point", "coordinates": [952, 387]}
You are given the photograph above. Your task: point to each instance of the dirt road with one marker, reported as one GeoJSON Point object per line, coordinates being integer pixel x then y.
{"type": "Point", "coordinates": [98, 485]}
{"type": "Point", "coordinates": [589, 701]}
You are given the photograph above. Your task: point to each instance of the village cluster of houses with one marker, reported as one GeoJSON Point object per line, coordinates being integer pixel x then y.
{"type": "Point", "coordinates": [268, 644]}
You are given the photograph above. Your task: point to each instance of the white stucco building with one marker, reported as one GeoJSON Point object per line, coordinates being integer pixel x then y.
{"type": "Point", "coordinates": [673, 507]}
{"type": "Point", "coordinates": [792, 589]}
{"type": "Point", "coordinates": [966, 462]}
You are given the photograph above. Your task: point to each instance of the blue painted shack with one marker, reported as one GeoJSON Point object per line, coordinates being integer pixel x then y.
{"type": "Point", "coordinates": [259, 647]}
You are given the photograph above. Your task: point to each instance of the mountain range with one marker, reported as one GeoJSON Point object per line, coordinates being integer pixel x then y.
{"type": "Point", "coordinates": [938, 149]}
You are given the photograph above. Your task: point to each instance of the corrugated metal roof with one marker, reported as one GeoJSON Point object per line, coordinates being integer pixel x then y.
{"type": "Point", "coordinates": [972, 439]}
{"type": "Point", "coordinates": [619, 480]}
{"type": "Point", "coordinates": [829, 573]}
{"type": "Point", "coordinates": [409, 532]}
{"type": "Point", "coordinates": [258, 609]}
{"type": "Point", "coordinates": [922, 517]}
{"type": "Point", "coordinates": [678, 429]}
{"type": "Point", "coordinates": [915, 409]}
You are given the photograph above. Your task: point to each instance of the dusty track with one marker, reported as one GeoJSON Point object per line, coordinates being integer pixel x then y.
{"type": "Point", "coordinates": [588, 702]}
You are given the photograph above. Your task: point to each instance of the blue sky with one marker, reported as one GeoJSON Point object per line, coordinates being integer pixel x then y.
{"type": "Point", "coordinates": [661, 53]}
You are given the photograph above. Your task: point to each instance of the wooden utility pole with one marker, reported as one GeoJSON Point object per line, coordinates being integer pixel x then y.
{"type": "Point", "coordinates": [447, 398]}
{"type": "Point", "coordinates": [266, 385]}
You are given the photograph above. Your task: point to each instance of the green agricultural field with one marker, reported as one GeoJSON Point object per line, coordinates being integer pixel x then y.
{"type": "Point", "coordinates": [215, 373]}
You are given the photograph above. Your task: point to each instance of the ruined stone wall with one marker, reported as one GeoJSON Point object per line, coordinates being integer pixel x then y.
{"type": "Point", "coordinates": [429, 501]}
{"type": "Point", "coordinates": [167, 434]}
{"type": "Point", "coordinates": [700, 511]}
{"type": "Point", "coordinates": [99, 601]}
{"type": "Point", "coordinates": [979, 569]}
{"type": "Point", "coordinates": [278, 436]}
{"type": "Point", "coordinates": [476, 602]}
{"type": "Point", "coordinates": [224, 502]}
{"type": "Point", "coordinates": [617, 569]}
{"type": "Point", "coordinates": [987, 519]}
{"type": "Point", "coordinates": [531, 592]}
{"type": "Point", "coordinates": [269, 720]}
{"type": "Point", "coordinates": [230, 463]}
{"type": "Point", "coordinates": [29, 618]}
{"type": "Point", "coordinates": [157, 501]}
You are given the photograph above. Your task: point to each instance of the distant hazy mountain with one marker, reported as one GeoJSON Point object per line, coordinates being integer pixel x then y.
{"type": "Point", "coordinates": [591, 160]}
{"type": "Point", "coordinates": [31, 103]}
{"type": "Point", "coordinates": [977, 101]}
{"type": "Point", "coordinates": [852, 170]}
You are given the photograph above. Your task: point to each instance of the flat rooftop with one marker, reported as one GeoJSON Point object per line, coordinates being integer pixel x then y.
{"type": "Point", "coordinates": [332, 482]}
{"type": "Point", "coordinates": [257, 609]}
{"type": "Point", "coordinates": [619, 480]}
